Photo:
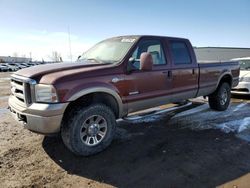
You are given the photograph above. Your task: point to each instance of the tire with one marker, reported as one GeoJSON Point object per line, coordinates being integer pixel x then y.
{"type": "Point", "coordinates": [88, 130]}
{"type": "Point", "coordinates": [220, 99]}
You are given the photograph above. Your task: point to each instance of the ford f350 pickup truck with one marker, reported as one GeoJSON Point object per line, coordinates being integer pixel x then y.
{"type": "Point", "coordinates": [117, 76]}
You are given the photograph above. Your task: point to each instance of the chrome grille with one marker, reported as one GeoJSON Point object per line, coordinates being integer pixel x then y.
{"type": "Point", "coordinates": [21, 88]}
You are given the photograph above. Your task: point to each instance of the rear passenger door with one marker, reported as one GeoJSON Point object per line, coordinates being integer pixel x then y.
{"type": "Point", "coordinates": [184, 69]}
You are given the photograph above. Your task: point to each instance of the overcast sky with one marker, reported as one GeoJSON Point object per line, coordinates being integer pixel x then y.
{"type": "Point", "coordinates": [40, 27]}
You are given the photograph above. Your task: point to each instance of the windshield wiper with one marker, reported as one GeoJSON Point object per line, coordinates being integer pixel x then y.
{"type": "Point", "coordinates": [99, 61]}
{"type": "Point", "coordinates": [90, 59]}
{"type": "Point", "coordinates": [95, 59]}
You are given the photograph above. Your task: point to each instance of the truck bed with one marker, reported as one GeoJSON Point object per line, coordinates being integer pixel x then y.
{"type": "Point", "coordinates": [211, 72]}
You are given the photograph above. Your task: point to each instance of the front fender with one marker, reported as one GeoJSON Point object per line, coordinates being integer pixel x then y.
{"type": "Point", "coordinates": [112, 92]}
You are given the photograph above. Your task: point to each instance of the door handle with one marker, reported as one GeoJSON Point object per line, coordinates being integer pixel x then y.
{"type": "Point", "coordinates": [168, 73]}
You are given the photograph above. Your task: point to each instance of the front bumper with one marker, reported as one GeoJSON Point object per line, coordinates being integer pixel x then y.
{"type": "Point", "coordinates": [242, 88]}
{"type": "Point", "coordinates": [38, 117]}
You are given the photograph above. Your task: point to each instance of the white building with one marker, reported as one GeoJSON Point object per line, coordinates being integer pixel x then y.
{"type": "Point", "coordinates": [9, 59]}
{"type": "Point", "coordinates": [220, 53]}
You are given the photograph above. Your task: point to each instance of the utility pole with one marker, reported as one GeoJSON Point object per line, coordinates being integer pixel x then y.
{"type": "Point", "coordinates": [70, 53]}
{"type": "Point", "coordinates": [31, 56]}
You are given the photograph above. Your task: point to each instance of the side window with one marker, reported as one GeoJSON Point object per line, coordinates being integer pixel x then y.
{"type": "Point", "coordinates": [180, 53]}
{"type": "Point", "coordinates": [154, 47]}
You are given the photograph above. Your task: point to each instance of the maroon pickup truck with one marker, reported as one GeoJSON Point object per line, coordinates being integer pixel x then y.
{"type": "Point", "coordinates": [117, 76]}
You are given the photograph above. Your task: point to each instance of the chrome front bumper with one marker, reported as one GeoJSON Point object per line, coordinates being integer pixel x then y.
{"type": "Point", "coordinates": [38, 117]}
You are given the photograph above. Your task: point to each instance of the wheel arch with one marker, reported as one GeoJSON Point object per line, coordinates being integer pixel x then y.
{"type": "Point", "coordinates": [103, 95]}
{"type": "Point", "coordinates": [226, 77]}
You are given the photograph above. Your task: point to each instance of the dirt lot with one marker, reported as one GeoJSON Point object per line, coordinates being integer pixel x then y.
{"type": "Point", "coordinates": [192, 147]}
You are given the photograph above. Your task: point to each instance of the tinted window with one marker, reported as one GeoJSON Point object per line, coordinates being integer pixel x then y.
{"type": "Point", "coordinates": [154, 47]}
{"type": "Point", "coordinates": [180, 53]}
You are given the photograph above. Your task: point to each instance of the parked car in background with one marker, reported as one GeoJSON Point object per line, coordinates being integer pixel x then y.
{"type": "Point", "coordinates": [19, 65]}
{"type": "Point", "coordinates": [25, 64]}
{"type": "Point", "coordinates": [244, 80]}
{"type": "Point", "coordinates": [14, 65]}
{"type": "Point", "coordinates": [31, 64]}
{"type": "Point", "coordinates": [3, 67]}
{"type": "Point", "coordinates": [11, 68]}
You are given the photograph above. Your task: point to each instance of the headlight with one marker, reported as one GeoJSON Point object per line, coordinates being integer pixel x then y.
{"type": "Point", "coordinates": [45, 93]}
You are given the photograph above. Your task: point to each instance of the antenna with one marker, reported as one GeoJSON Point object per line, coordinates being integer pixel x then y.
{"type": "Point", "coordinates": [70, 53]}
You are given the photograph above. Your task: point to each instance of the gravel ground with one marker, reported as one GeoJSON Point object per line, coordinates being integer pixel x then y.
{"type": "Point", "coordinates": [192, 147]}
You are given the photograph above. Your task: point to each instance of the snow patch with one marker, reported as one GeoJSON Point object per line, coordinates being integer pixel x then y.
{"type": "Point", "coordinates": [2, 80]}
{"type": "Point", "coordinates": [3, 111]}
{"type": "Point", "coordinates": [145, 119]}
{"type": "Point", "coordinates": [154, 116]}
{"type": "Point", "coordinates": [5, 78]}
{"type": "Point", "coordinates": [4, 97]}
{"type": "Point", "coordinates": [235, 126]}
{"type": "Point", "coordinates": [193, 111]}
{"type": "Point", "coordinates": [234, 120]}
{"type": "Point", "coordinates": [245, 124]}
{"type": "Point", "coordinates": [238, 107]}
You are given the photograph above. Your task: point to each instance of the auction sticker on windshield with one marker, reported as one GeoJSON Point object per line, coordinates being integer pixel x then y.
{"type": "Point", "coordinates": [127, 40]}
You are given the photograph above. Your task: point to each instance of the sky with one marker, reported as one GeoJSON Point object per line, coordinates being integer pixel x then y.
{"type": "Point", "coordinates": [38, 28]}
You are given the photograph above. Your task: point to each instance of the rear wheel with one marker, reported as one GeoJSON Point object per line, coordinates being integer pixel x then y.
{"type": "Point", "coordinates": [220, 99]}
{"type": "Point", "coordinates": [89, 130]}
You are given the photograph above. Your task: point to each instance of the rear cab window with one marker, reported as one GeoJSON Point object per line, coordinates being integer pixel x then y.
{"type": "Point", "coordinates": [180, 53]}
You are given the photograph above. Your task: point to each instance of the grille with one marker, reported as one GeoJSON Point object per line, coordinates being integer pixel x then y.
{"type": "Point", "coordinates": [22, 89]}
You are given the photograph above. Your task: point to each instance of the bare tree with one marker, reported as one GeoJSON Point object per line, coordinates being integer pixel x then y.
{"type": "Point", "coordinates": [55, 56]}
{"type": "Point", "coordinates": [2, 61]}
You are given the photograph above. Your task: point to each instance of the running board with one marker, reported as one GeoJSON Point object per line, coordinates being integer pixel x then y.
{"type": "Point", "coordinates": [155, 112]}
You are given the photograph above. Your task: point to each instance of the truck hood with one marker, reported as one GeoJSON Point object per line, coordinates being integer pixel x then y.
{"type": "Point", "coordinates": [244, 73]}
{"type": "Point", "coordinates": [36, 72]}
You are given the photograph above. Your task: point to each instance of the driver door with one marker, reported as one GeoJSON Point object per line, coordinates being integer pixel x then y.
{"type": "Point", "coordinates": [148, 88]}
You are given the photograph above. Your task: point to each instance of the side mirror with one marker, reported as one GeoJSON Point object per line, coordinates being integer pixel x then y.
{"type": "Point", "coordinates": [130, 65]}
{"type": "Point", "coordinates": [146, 61]}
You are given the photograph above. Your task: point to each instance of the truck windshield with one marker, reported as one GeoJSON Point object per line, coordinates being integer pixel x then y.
{"type": "Point", "coordinates": [244, 64]}
{"type": "Point", "coordinates": [109, 51]}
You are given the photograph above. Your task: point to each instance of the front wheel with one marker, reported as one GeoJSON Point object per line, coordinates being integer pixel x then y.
{"type": "Point", "coordinates": [89, 130]}
{"type": "Point", "coordinates": [220, 99]}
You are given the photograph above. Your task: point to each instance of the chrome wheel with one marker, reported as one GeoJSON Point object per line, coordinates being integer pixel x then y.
{"type": "Point", "coordinates": [224, 97]}
{"type": "Point", "coordinates": [93, 130]}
